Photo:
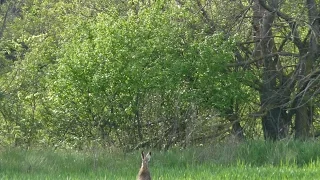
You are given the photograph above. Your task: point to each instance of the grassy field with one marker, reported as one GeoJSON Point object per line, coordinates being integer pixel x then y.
{"type": "Point", "coordinates": [249, 160]}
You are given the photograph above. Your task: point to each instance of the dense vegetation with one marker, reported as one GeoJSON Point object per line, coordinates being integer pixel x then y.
{"type": "Point", "coordinates": [158, 74]}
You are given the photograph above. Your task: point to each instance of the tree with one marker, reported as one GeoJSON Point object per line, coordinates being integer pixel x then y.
{"type": "Point", "coordinates": [160, 74]}
{"type": "Point", "coordinates": [115, 66]}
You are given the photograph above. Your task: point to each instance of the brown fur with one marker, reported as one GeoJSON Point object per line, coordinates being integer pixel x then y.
{"type": "Point", "coordinates": [144, 173]}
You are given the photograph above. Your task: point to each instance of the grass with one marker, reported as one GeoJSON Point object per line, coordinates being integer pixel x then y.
{"type": "Point", "coordinates": [249, 160]}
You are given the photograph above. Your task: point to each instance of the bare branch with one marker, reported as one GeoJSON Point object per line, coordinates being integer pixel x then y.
{"type": "Point", "coordinates": [205, 15]}
{"type": "Point", "coordinates": [244, 63]}
{"type": "Point", "coordinates": [4, 21]}
{"type": "Point", "coordinates": [280, 14]}
{"type": "Point", "coordinates": [293, 25]}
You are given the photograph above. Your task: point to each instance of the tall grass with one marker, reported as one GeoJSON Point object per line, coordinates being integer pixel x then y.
{"type": "Point", "coordinates": [232, 160]}
{"type": "Point", "coordinates": [255, 153]}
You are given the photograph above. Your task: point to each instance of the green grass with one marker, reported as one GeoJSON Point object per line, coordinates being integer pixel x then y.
{"type": "Point", "coordinates": [249, 160]}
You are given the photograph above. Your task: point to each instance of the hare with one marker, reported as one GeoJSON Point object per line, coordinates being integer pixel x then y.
{"type": "Point", "coordinates": [144, 173]}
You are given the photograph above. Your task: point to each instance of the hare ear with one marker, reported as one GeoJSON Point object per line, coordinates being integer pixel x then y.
{"type": "Point", "coordinates": [148, 156]}
{"type": "Point", "coordinates": [142, 155]}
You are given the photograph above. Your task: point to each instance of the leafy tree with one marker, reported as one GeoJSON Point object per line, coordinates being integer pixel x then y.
{"type": "Point", "coordinates": [157, 73]}
{"type": "Point", "coordinates": [115, 63]}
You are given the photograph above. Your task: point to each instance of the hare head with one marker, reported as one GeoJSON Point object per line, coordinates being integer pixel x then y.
{"type": "Point", "coordinates": [145, 159]}
{"type": "Point", "coordinates": [144, 173]}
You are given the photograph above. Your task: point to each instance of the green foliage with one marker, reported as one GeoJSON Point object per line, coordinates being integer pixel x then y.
{"type": "Point", "coordinates": [111, 63]}
{"type": "Point", "coordinates": [129, 74]}
{"type": "Point", "coordinates": [96, 163]}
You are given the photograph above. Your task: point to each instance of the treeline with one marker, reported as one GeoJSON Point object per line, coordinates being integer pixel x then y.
{"type": "Point", "coordinates": [157, 73]}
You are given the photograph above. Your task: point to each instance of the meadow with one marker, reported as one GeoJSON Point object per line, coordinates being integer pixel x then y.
{"type": "Point", "coordinates": [246, 160]}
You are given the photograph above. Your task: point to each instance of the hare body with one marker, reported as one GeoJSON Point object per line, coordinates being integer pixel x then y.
{"type": "Point", "coordinates": [144, 173]}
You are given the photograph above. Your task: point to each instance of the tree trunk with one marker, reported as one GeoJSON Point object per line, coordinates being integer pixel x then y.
{"type": "Point", "coordinates": [304, 114]}
{"type": "Point", "coordinates": [273, 120]}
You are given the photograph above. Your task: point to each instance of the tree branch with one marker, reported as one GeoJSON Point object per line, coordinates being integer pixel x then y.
{"type": "Point", "coordinates": [280, 14]}
{"type": "Point", "coordinates": [205, 15]}
{"type": "Point", "coordinates": [244, 63]}
{"type": "Point", "coordinates": [296, 39]}
{"type": "Point", "coordinates": [4, 22]}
